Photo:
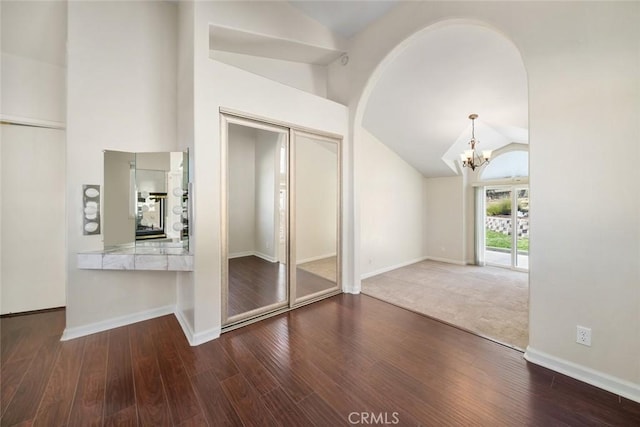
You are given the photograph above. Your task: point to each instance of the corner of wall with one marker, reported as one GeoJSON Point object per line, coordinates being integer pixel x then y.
{"type": "Point", "coordinates": [196, 338]}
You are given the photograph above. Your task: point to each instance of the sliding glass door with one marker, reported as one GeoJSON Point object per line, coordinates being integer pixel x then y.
{"type": "Point", "coordinates": [521, 232]}
{"type": "Point", "coordinates": [507, 227]}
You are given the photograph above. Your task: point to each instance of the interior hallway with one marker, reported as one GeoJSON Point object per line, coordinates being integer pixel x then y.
{"type": "Point", "coordinates": [492, 302]}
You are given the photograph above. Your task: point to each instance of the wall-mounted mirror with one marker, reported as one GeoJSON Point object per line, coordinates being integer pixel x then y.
{"type": "Point", "coordinates": [146, 199]}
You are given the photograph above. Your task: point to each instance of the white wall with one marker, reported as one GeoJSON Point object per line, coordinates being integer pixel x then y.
{"type": "Point", "coordinates": [583, 66]}
{"type": "Point", "coordinates": [122, 70]}
{"type": "Point", "coordinates": [219, 85]}
{"type": "Point", "coordinates": [267, 181]}
{"type": "Point", "coordinates": [185, 132]}
{"type": "Point", "coordinates": [242, 190]}
{"type": "Point", "coordinates": [32, 89]}
{"type": "Point", "coordinates": [33, 60]}
{"type": "Point", "coordinates": [391, 201]}
{"type": "Point", "coordinates": [32, 92]}
{"type": "Point", "coordinates": [316, 192]}
{"type": "Point", "coordinates": [307, 77]}
{"type": "Point", "coordinates": [444, 219]}
{"type": "Point", "coordinates": [33, 233]}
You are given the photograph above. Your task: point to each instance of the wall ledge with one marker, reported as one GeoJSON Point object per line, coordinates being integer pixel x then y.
{"type": "Point", "coordinates": [110, 260]}
{"type": "Point", "coordinates": [598, 379]}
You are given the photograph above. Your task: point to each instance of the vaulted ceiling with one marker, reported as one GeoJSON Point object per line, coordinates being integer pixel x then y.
{"type": "Point", "coordinates": [420, 102]}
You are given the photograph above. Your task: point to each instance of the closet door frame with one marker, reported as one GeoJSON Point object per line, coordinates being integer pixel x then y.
{"type": "Point", "coordinates": [230, 116]}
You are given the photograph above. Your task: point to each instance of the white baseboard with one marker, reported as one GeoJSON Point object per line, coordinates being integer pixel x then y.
{"type": "Point", "coordinates": [598, 379]}
{"type": "Point", "coordinates": [447, 260]}
{"type": "Point", "coordinates": [265, 257]}
{"type": "Point", "coordinates": [253, 253]}
{"type": "Point", "coordinates": [315, 258]}
{"type": "Point", "coordinates": [92, 328]}
{"type": "Point", "coordinates": [193, 338]}
{"type": "Point", "coordinates": [392, 267]}
{"type": "Point", "coordinates": [352, 290]}
{"type": "Point", "coordinates": [241, 254]}
{"type": "Point", "coordinates": [205, 336]}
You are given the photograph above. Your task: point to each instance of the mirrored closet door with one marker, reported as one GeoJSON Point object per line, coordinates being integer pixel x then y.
{"type": "Point", "coordinates": [281, 210]}
{"type": "Point", "coordinates": [256, 218]}
{"type": "Point", "coordinates": [316, 185]}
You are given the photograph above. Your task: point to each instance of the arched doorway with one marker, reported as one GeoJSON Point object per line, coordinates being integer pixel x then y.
{"type": "Point", "coordinates": [416, 104]}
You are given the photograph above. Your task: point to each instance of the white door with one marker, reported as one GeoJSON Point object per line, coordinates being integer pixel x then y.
{"type": "Point", "coordinates": [32, 219]}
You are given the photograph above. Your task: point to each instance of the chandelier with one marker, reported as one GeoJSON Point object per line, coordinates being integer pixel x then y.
{"type": "Point", "coordinates": [470, 158]}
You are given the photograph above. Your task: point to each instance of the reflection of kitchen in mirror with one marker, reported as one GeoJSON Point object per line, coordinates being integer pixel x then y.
{"type": "Point", "coordinates": [146, 199]}
{"type": "Point", "coordinates": [257, 220]}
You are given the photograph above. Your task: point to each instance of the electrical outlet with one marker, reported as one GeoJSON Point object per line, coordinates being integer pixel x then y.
{"type": "Point", "coordinates": [583, 335]}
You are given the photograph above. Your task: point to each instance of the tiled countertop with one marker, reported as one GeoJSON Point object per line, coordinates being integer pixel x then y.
{"type": "Point", "coordinates": [137, 258]}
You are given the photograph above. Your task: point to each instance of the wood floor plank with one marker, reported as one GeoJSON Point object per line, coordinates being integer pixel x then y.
{"type": "Point", "coordinates": [320, 412]}
{"type": "Point", "coordinates": [194, 362]}
{"type": "Point", "coordinates": [246, 401]}
{"type": "Point", "coordinates": [88, 404]}
{"type": "Point", "coordinates": [276, 358]}
{"type": "Point", "coordinates": [197, 421]}
{"type": "Point", "coordinates": [12, 374]}
{"type": "Point", "coordinates": [252, 369]}
{"type": "Point", "coordinates": [27, 397]}
{"type": "Point", "coordinates": [10, 340]}
{"type": "Point", "coordinates": [127, 417]}
{"type": "Point", "coordinates": [335, 395]}
{"type": "Point", "coordinates": [218, 360]}
{"type": "Point", "coordinates": [182, 399]}
{"type": "Point", "coordinates": [218, 410]}
{"type": "Point", "coordinates": [56, 401]}
{"type": "Point", "coordinates": [120, 391]}
{"type": "Point", "coordinates": [284, 410]}
{"type": "Point", "coordinates": [151, 399]}
{"type": "Point", "coordinates": [405, 393]}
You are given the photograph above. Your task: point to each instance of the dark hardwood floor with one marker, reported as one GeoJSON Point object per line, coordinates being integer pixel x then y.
{"type": "Point", "coordinates": [255, 282]}
{"type": "Point", "coordinates": [345, 359]}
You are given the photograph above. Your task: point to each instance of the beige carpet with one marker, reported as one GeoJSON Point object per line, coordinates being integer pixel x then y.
{"type": "Point", "coordinates": [489, 301]}
{"type": "Point", "coordinates": [325, 267]}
